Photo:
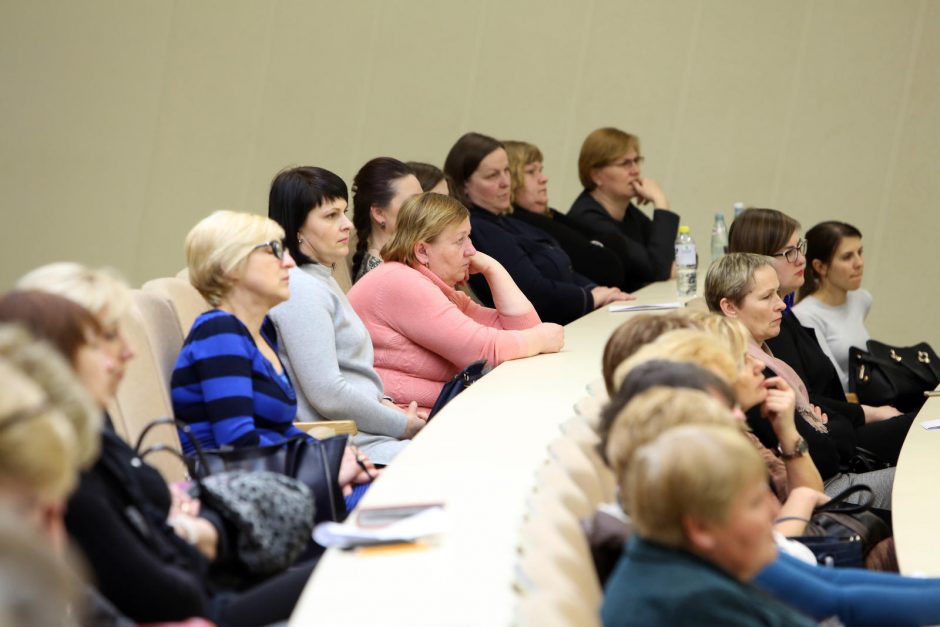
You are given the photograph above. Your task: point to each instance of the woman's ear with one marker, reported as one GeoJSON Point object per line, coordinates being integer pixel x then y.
{"type": "Point", "coordinates": [820, 268]}
{"type": "Point", "coordinates": [421, 253]}
{"type": "Point", "coordinates": [699, 535]}
{"type": "Point", "coordinates": [378, 215]}
{"type": "Point", "coordinates": [595, 175]}
{"type": "Point", "coordinates": [728, 309]}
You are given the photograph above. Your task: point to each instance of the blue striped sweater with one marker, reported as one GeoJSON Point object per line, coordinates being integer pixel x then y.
{"type": "Point", "coordinates": [226, 390]}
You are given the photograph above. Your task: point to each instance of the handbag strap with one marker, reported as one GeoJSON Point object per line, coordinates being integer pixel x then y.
{"type": "Point", "coordinates": [186, 430]}
{"type": "Point", "coordinates": [838, 504]}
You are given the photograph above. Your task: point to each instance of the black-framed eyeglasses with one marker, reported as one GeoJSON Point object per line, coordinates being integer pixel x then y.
{"type": "Point", "coordinates": [277, 248]}
{"type": "Point", "coordinates": [629, 163]}
{"type": "Point", "coordinates": [793, 253]}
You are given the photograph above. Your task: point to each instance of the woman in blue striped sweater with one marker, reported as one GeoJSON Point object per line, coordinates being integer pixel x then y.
{"type": "Point", "coordinates": [229, 384]}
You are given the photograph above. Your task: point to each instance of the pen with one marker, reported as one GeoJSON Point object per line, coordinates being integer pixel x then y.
{"type": "Point", "coordinates": [932, 393]}
{"type": "Point", "coordinates": [362, 465]}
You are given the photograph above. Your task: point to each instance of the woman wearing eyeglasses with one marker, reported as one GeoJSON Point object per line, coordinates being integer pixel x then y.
{"type": "Point", "coordinates": [609, 169]}
{"type": "Point", "coordinates": [229, 383]}
{"type": "Point", "coordinates": [772, 233]}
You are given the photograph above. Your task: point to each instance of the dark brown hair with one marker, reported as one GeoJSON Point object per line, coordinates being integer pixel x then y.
{"type": "Point", "coordinates": [636, 332]}
{"type": "Point", "coordinates": [372, 187]}
{"type": "Point", "coordinates": [761, 231]}
{"type": "Point", "coordinates": [463, 160]}
{"type": "Point", "coordinates": [65, 324]}
{"type": "Point", "coordinates": [429, 175]}
{"type": "Point", "coordinates": [821, 243]}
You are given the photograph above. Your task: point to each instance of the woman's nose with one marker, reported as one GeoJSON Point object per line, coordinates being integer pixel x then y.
{"type": "Point", "coordinates": [470, 250]}
{"type": "Point", "coordinates": [287, 261]}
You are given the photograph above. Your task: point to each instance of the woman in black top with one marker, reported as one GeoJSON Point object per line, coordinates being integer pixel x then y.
{"type": "Point", "coordinates": [530, 205]}
{"type": "Point", "coordinates": [479, 167]}
{"type": "Point", "coordinates": [609, 169]}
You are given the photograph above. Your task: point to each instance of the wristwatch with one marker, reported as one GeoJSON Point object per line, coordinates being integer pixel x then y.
{"type": "Point", "coordinates": [799, 449]}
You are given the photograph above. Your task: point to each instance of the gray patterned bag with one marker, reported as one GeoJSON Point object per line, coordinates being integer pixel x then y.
{"type": "Point", "coordinates": [272, 513]}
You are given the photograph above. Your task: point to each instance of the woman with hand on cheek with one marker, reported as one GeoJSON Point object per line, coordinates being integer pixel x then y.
{"type": "Point", "coordinates": [423, 329]}
{"type": "Point", "coordinates": [609, 169]}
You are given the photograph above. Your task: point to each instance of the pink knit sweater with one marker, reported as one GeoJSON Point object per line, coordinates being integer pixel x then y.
{"type": "Point", "coordinates": [424, 331]}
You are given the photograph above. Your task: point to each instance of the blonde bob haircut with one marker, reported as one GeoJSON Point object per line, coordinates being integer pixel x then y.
{"type": "Point", "coordinates": [731, 276]}
{"type": "Point", "coordinates": [653, 412]}
{"type": "Point", "coordinates": [48, 368]}
{"type": "Point", "coordinates": [691, 471]}
{"type": "Point", "coordinates": [730, 332]}
{"type": "Point", "coordinates": [99, 290]}
{"type": "Point", "coordinates": [38, 455]}
{"type": "Point", "coordinates": [219, 244]}
{"type": "Point", "coordinates": [520, 155]}
{"type": "Point", "coordinates": [602, 148]}
{"type": "Point", "coordinates": [422, 218]}
{"type": "Point", "coordinates": [690, 345]}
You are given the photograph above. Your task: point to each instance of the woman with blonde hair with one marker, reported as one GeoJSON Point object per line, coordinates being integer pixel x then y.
{"type": "Point", "coordinates": [529, 195]}
{"type": "Point", "coordinates": [609, 169]}
{"type": "Point", "coordinates": [424, 330]}
{"type": "Point", "coordinates": [702, 518]}
{"type": "Point", "coordinates": [229, 383]}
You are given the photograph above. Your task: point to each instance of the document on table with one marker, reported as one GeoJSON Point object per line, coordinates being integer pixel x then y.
{"type": "Point", "coordinates": [431, 521]}
{"type": "Point", "coordinates": [931, 424]}
{"type": "Point", "coordinates": [637, 307]}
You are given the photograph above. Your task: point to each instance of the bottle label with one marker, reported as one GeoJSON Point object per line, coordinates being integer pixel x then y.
{"type": "Point", "coordinates": [685, 255]}
{"type": "Point", "coordinates": [686, 281]}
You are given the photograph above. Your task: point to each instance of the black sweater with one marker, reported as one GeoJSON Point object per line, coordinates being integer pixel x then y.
{"type": "Point", "coordinates": [646, 247]}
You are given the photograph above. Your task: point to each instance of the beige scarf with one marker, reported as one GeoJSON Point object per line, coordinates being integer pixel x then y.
{"type": "Point", "coordinates": [763, 354]}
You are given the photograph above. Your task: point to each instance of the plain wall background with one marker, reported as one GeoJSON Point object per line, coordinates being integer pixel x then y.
{"type": "Point", "coordinates": [124, 122]}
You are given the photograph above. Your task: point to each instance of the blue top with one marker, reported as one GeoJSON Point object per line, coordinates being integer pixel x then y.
{"type": "Point", "coordinates": [537, 264]}
{"type": "Point", "coordinates": [229, 392]}
{"type": "Point", "coordinates": [656, 585]}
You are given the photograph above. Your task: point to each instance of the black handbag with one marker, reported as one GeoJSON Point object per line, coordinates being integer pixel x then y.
{"type": "Point", "coordinates": [461, 381]}
{"type": "Point", "coordinates": [893, 375]}
{"type": "Point", "coordinates": [315, 463]}
{"type": "Point", "coordinates": [843, 534]}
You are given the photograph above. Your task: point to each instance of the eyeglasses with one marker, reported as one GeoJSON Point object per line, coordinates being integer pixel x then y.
{"type": "Point", "coordinates": [277, 248]}
{"type": "Point", "coordinates": [792, 254]}
{"type": "Point", "coordinates": [629, 163]}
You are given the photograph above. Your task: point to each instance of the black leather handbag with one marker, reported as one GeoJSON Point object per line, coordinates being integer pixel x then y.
{"type": "Point", "coordinates": [315, 463]}
{"type": "Point", "coordinates": [893, 375]}
{"type": "Point", "coordinates": [461, 381]}
{"type": "Point", "coordinates": [843, 534]}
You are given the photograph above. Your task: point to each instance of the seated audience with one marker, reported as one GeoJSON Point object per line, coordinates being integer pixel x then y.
{"type": "Point", "coordinates": [609, 169]}
{"type": "Point", "coordinates": [880, 430]}
{"type": "Point", "coordinates": [702, 519]}
{"type": "Point", "coordinates": [431, 177]}
{"type": "Point", "coordinates": [479, 167]}
{"type": "Point", "coordinates": [529, 194]}
{"type": "Point", "coordinates": [854, 596]}
{"type": "Point", "coordinates": [152, 549]}
{"type": "Point", "coordinates": [831, 302]}
{"type": "Point", "coordinates": [336, 381]}
{"type": "Point", "coordinates": [745, 287]}
{"type": "Point", "coordinates": [379, 189]}
{"type": "Point", "coordinates": [425, 331]}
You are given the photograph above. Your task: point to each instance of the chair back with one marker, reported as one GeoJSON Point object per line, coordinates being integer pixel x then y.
{"type": "Point", "coordinates": [186, 301]}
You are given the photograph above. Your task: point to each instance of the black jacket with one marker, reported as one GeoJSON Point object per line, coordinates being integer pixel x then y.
{"type": "Point", "coordinates": [646, 247]}
{"type": "Point", "coordinates": [588, 256]}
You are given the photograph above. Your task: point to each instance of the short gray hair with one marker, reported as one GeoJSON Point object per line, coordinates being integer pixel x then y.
{"type": "Point", "coordinates": [731, 276]}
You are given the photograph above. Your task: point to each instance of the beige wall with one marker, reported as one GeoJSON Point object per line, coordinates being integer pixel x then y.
{"type": "Point", "coordinates": [123, 122]}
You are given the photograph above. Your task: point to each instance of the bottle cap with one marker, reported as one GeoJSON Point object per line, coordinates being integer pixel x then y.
{"type": "Point", "coordinates": [683, 229]}
{"type": "Point", "coordinates": [719, 215]}
{"type": "Point", "coordinates": [739, 205]}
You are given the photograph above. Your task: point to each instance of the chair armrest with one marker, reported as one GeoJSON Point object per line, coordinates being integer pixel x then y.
{"type": "Point", "coordinates": [328, 428]}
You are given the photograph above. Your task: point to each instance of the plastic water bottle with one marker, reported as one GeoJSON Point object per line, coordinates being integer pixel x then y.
{"type": "Point", "coordinates": [719, 237]}
{"type": "Point", "coordinates": [738, 208]}
{"type": "Point", "coordinates": [686, 264]}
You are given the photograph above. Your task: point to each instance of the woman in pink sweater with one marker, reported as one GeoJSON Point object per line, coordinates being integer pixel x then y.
{"type": "Point", "coordinates": [423, 329]}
